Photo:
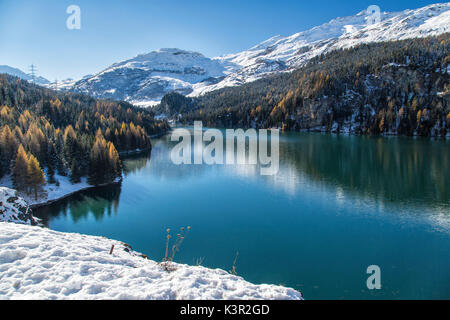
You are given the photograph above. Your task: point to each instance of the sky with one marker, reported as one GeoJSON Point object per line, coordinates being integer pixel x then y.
{"type": "Point", "coordinates": [35, 32]}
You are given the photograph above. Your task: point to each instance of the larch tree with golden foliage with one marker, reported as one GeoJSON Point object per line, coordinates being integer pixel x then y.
{"type": "Point", "coordinates": [20, 169]}
{"type": "Point", "coordinates": [104, 164]}
{"type": "Point", "coordinates": [35, 176]}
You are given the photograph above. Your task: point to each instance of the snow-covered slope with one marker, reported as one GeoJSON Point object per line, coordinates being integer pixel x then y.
{"type": "Point", "coordinates": [36, 263]}
{"type": "Point", "coordinates": [145, 79]}
{"type": "Point", "coordinates": [63, 85]}
{"type": "Point", "coordinates": [52, 192]}
{"type": "Point", "coordinates": [286, 53]}
{"type": "Point", "coordinates": [15, 209]}
{"type": "Point", "coordinates": [22, 75]}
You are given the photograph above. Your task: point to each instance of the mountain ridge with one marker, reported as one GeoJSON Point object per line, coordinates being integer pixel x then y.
{"type": "Point", "coordinates": [344, 32]}
{"type": "Point", "coordinates": [146, 78]}
{"type": "Point", "coordinates": [388, 88]}
{"type": "Point", "coordinates": [22, 75]}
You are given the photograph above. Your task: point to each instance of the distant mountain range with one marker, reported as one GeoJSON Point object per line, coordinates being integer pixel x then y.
{"type": "Point", "coordinates": [145, 79]}
{"type": "Point", "coordinates": [22, 75]}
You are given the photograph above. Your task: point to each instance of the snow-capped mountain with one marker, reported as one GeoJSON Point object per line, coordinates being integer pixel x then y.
{"type": "Point", "coordinates": [287, 53]}
{"type": "Point", "coordinates": [64, 85]}
{"type": "Point", "coordinates": [22, 75]}
{"type": "Point", "coordinates": [145, 79]}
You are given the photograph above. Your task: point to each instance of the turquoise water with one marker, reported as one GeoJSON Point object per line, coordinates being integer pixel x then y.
{"type": "Point", "coordinates": [338, 205]}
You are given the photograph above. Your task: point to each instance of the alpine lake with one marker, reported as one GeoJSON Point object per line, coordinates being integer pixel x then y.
{"type": "Point", "coordinates": [337, 205]}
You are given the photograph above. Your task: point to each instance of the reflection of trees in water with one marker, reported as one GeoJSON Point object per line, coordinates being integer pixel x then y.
{"type": "Point", "coordinates": [98, 202]}
{"type": "Point", "coordinates": [389, 169]}
{"type": "Point", "coordinates": [135, 163]}
{"type": "Point", "coordinates": [397, 169]}
{"type": "Point", "coordinates": [161, 163]}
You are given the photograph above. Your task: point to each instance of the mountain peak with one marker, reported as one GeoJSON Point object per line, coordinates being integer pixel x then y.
{"type": "Point", "coordinates": [176, 51]}
{"type": "Point", "coordinates": [145, 79]}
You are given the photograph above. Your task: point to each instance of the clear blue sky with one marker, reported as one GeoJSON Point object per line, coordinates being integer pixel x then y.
{"type": "Point", "coordinates": [35, 31]}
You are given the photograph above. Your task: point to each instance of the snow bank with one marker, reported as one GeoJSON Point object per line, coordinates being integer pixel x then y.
{"type": "Point", "coordinates": [64, 189]}
{"type": "Point", "coordinates": [15, 209]}
{"type": "Point", "coordinates": [37, 263]}
{"type": "Point", "coordinates": [52, 192]}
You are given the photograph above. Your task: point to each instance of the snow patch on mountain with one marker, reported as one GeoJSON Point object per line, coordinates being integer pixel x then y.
{"type": "Point", "coordinates": [145, 79]}
{"type": "Point", "coordinates": [280, 54]}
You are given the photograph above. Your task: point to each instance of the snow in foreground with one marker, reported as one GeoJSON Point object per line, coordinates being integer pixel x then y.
{"type": "Point", "coordinates": [37, 263]}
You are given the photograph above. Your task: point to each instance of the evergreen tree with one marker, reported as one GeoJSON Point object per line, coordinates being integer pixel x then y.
{"type": "Point", "coordinates": [51, 174]}
{"type": "Point", "coordinates": [2, 171]}
{"type": "Point", "coordinates": [58, 128]}
{"type": "Point", "coordinates": [51, 163]}
{"type": "Point", "coordinates": [75, 175]}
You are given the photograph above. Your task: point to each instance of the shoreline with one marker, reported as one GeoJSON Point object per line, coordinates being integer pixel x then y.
{"type": "Point", "coordinates": [38, 205]}
{"type": "Point", "coordinates": [345, 131]}
{"type": "Point", "coordinates": [42, 203]}
{"type": "Point", "coordinates": [380, 135]}
{"type": "Point", "coordinates": [158, 135]}
{"type": "Point", "coordinates": [134, 152]}
{"type": "Point", "coordinates": [66, 189]}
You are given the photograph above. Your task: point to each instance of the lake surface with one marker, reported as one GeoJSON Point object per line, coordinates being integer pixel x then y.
{"type": "Point", "coordinates": [338, 205]}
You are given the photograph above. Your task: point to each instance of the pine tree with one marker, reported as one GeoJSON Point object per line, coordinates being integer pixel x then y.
{"type": "Point", "coordinates": [51, 163]}
{"type": "Point", "coordinates": [35, 176]}
{"type": "Point", "coordinates": [51, 174]}
{"type": "Point", "coordinates": [2, 171]}
{"type": "Point", "coordinates": [20, 170]}
{"type": "Point", "coordinates": [75, 175]}
{"type": "Point", "coordinates": [70, 143]}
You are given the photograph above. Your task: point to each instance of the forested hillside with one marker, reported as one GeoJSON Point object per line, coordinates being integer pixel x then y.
{"type": "Point", "coordinates": [43, 132]}
{"type": "Point", "coordinates": [399, 87]}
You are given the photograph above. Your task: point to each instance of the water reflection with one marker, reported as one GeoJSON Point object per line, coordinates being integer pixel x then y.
{"type": "Point", "coordinates": [403, 172]}
{"type": "Point", "coordinates": [400, 170]}
{"type": "Point", "coordinates": [135, 163]}
{"type": "Point", "coordinates": [94, 202]}
{"type": "Point", "coordinates": [397, 170]}
{"type": "Point", "coordinates": [160, 165]}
